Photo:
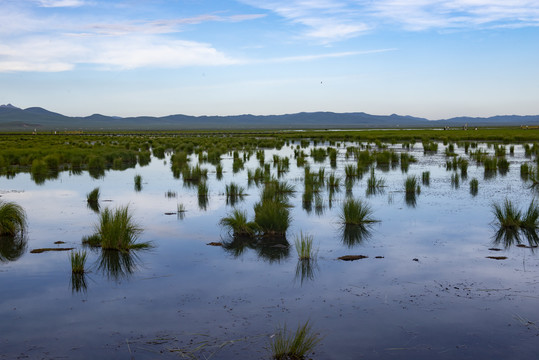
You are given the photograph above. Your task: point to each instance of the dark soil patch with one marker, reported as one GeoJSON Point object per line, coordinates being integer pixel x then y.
{"type": "Point", "coordinates": [352, 257]}
{"type": "Point", "coordinates": [42, 250]}
{"type": "Point", "coordinates": [215, 244]}
{"type": "Point", "coordinates": [497, 257]}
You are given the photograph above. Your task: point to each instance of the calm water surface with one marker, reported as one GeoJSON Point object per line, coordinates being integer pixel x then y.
{"type": "Point", "coordinates": [434, 294]}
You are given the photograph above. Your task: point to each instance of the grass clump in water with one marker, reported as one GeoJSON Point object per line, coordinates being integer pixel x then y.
{"type": "Point", "coordinates": [272, 217]}
{"type": "Point", "coordinates": [12, 218]}
{"type": "Point", "coordinates": [425, 178]}
{"type": "Point", "coordinates": [238, 225]}
{"type": "Point", "coordinates": [78, 261]}
{"type": "Point", "coordinates": [116, 230]}
{"type": "Point", "coordinates": [411, 185]}
{"type": "Point", "coordinates": [474, 186]}
{"type": "Point", "coordinates": [138, 182]}
{"type": "Point", "coordinates": [289, 346]}
{"type": "Point", "coordinates": [356, 212]}
{"type": "Point", "coordinates": [304, 247]}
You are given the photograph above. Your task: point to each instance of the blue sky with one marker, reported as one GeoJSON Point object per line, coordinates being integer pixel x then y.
{"type": "Point", "coordinates": [430, 58]}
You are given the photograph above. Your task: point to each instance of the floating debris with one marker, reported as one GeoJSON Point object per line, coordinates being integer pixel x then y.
{"type": "Point", "coordinates": [495, 249]}
{"type": "Point", "coordinates": [39, 251]}
{"type": "Point", "coordinates": [527, 246]}
{"type": "Point", "coordinates": [215, 244]}
{"type": "Point", "coordinates": [352, 257]}
{"type": "Point", "coordinates": [170, 213]}
{"type": "Point", "coordinates": [415, 259]}
{"type": "Point", "coordinates": [59, 242]}
{"type": "Point", "coordinates": [497, 257]}
{"type": "Point", "coordinates": [378, 257]}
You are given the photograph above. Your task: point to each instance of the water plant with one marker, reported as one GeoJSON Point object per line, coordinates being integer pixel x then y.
{"type": "Point", "coordinates": [78, 261]}
{"type": "Point", "coordinates": [238, 225]}
{"type": "Point", "coordinates": [304, 247]}
{"type": "Point", "coordinates": [272, 218]}
{"type": "Point", "coordinates": [116, 230]}
{"type": "Point", "coordinates": [138, 182]}
{"type": "Point", "coordinates": [474, 186]}
{"type": "Point", "coordinates": [12, 218]}
{"type": "Point", "coordinates": [411, 185]}
{"type": "Point", "coordinates": [425, 178]}
{"type": "Point", "coordinates": [234, 193]}
{"type": "Point", "coordinates": [374, 184]}
{"type": "Point", "coordinates": [356, 212]}
{"type": "Point", "coordinates": [287, 345]}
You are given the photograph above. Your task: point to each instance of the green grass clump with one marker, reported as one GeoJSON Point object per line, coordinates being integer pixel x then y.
{"type": "Point", "coordinates": [12, 218]}
{"type": "Point", "coordinates": [374, 184]}
{"type": "Point", "coordinates": [272, 217]}
{"type": "Point", "coordinates": [238, 225]}
{"type": "Point", "coordinates": [411, 185]}
{"type": "Point", "coordinates": [474, 186]}
{"type": "Point", "coordinates": [356, 212]}
{"type": "Point", "coordinates": [507, 216]}
{"type": "Point", "coordinates": [93, 196]}
{"type": "Point", "coordinates": [304, 247]}
{"type": "Point", "coordinates": [138, 182]}
{"type": "Point", "coordinates": [78, 261]}
{"type": "Point", "coordinates": [425, 178]}
{"type": "Point", "coordinates": [288, 346]}
{"type": "Point", "coordinates": [117, 230]}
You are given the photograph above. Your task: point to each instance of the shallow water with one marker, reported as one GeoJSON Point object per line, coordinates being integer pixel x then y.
{"type": "Point", "coordinates": [434, 294]}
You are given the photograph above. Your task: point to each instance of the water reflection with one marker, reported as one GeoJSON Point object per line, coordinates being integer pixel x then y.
{"type": "Point", "coordinates": [509, 236]}
{"type": "Point", "coordinates": [118, 265]}
{"type": "Point", "coordinates": [78, 283]}
{"type": "Point", "coordinates": [411, 199]}
{"type": "Point", "coordinates": [94, 206]}
{"type": "Point", "coordinates": [12, 247]}
{"type": "Point", "coordinates": [353, 235]}
{"type": "Point", "coordinates": [306, 270]}
{"type": "Point", "coordinates": [268, 248]}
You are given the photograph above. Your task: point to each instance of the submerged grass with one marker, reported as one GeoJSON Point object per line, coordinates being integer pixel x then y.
{"type": "Point", "coordinates": [12, 218]}
{"type": "Point", "coordinates": [291, 346]}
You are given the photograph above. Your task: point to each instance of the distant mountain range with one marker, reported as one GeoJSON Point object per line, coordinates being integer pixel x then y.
{"type": "Point", "coordinates": [13, 118]}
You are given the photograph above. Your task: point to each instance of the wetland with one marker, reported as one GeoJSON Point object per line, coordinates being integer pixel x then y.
{"type": "Point", "coordinates": [412, 244]}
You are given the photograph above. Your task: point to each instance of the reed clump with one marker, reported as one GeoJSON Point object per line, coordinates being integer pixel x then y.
{"type": "Point", "coordinates": [287, 345]}
{"type": "Point", "coordinates": [508, 216]}
{"type": "Point", "coordinates": [304, 247]}
{"type": "Point", "coordinates": [238, 225]}
{"type": "Point", "coordinates": [474, 186]}
{"type": "Point", "coordinates": [116, 230]}
{"type": "Point", "coordinates": [356, 212]}
{"type": "Point", "coordinates": [78, 262]}
{"type": "Point", "coordinates": [12, 218]}
{"type": "Point", "coordinates": [138, 182]}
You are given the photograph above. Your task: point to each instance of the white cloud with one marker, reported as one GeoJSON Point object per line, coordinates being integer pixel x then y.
{"type": "Point", "coordinates": [61, 3]}
{"type": "Point", "coordinates": [324, 56]}
{"type": "Point", "coordinates": [334, 20]}
{"type": "Point", "coordinates": [325, 20]}
{"type": "Point", "coordinates": [125, 52]}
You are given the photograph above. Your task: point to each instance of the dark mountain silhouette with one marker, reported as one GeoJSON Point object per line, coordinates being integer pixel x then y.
{"type": "Point", "coordinates": [14, 118]}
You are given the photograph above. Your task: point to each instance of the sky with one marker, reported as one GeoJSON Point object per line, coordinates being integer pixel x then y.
{"type": "Point", "coordinates": [428, 58]}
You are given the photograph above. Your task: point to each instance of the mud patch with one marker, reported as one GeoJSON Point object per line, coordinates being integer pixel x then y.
{"type": "Point", "coordinates": [42, 250]}
{"type": "Point", "coordinates": [352, 257]}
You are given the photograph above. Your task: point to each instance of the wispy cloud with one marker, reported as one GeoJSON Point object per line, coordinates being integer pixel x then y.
{"type": "Point", "coordinates": [60, 3]}
{"type": "Point", "coordinates": [312, 57]}
{"type": "Point", "coordinates": [324, 20]}
{"type": "Point", "coordinates": [336, 20]}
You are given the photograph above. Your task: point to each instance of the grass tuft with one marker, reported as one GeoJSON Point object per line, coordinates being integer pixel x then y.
{"type": "Point", "coordinates": [78, 261]}
{"type": "Point", "coordinates": [238, 225]}
{"type": "Point", "coordinates": [287, 345]}
{"type": "Point", "coordinates": [304, 247]}
{"type": "Point", "coordinates": [12, 218]}
{"type": "Point", "coordinates": [117, 230]}
{"type": "Point", "coordinates": [356, 212]}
